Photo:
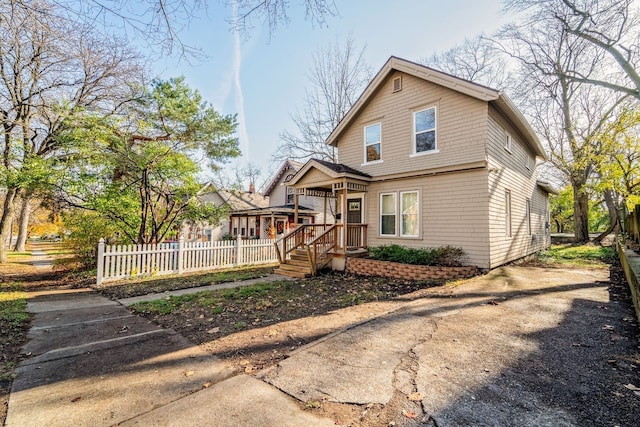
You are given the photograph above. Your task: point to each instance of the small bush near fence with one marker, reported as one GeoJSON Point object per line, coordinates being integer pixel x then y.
{"type": "Point", "coordinates": [447, 256]}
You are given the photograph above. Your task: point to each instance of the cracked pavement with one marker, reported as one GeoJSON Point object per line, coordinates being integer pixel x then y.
{"type": "Point", "coordinates": [519, 346]}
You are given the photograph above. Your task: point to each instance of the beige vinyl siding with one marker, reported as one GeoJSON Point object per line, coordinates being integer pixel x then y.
{"type": "Point", "coordinates": [539, 220]}
{"type": "Point", "coordinates": [460, 136]}
{"type": "Point", "coordinates": [278, 197]}
{"type": "Point", "coordinates": [453, 211]}
{"type": "Point", "coordinates": [313, 176]}
{"type": "Point", "coordinates": [509, 173]}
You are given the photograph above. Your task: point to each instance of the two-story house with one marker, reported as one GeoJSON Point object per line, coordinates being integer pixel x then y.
{"type": "Point", "coordinates": [428, 159]}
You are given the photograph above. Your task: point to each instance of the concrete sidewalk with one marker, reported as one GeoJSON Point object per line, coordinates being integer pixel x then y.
{"type": "Point", "coordinates": [520, 346]}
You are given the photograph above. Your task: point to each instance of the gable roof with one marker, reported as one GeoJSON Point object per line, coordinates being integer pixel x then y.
{"type": "Point", "coordinates": [332, 170]}
{"type": "Point", "coordinates": [286, 165]}
{"type": "Point", "coordinates": [499, 99]}
{"type": "Point", "coordinates": [242, 200]}
{"type": "Point", "coordinates": [237, 200]}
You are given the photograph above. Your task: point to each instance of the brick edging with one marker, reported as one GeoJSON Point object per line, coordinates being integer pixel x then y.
{"type": "Point", "coordinates": [372, 267]}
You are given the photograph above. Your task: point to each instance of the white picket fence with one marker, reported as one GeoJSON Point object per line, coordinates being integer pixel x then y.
{"type": "Point", "coordinates": [124, 261]}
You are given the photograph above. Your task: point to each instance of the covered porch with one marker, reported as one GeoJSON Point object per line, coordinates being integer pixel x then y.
{"type": "Point", "coordinates": [310, 247]}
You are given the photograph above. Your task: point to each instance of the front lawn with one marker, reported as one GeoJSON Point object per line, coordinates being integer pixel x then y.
{"type": "Point", "coordinates": [150, 285]}
{"type": "Point", "coordinates": [14, 324]}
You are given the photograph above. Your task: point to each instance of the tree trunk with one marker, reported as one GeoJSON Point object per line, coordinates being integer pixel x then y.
{"type": "Point", "coordinates": [580, 213]}
{"type": "Point", "coordinates": [5, 222]}
{"type": "Point", "coordinates": [613, 216]}
{"type": "Point", "coordinates": [23, 224]}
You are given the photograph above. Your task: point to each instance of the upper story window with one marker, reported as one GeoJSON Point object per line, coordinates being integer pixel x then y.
{"type": "Point", "coordinates": [372, 142]}
{"type": "Point", "coordinates": [290, 191]}
{"type": "Point", "coordinates": [528, 162]}
{"type": "Point", "coordinates": [508, 142]}
{"type": "Point", "coordinates": [425, 130]}
{"type": "Point", "coordinates": [291, 196]}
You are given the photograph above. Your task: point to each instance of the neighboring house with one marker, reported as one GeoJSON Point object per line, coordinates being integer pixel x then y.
{"type": "Point", "coordinates": [235, 201]}
{"type": "Point", "coordinates": [279, 216]}
{"type": "Point", "coordinates": [428, 159]}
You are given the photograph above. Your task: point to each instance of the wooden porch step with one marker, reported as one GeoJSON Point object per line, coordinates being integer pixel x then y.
{"type": "Point", "coordinates": [298, 262]}
{"type": "Point", "coordinates": [291, 273]}
{"type": "Point", "coordinates": [291, 267]}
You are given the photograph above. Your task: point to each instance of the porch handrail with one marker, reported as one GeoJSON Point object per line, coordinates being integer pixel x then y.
{"type": "Point", "coordinates": [326, 242]}
{"type": "Point", "coordinates": [297, 238]}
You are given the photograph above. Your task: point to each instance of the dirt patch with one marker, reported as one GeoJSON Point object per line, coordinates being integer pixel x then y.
{"type": "Point", "coordinates": [256, 327]}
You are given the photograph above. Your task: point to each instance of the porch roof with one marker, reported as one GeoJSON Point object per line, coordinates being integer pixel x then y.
{"type": "Point", "coordinates": [325, 176]}
{"type": "Point", "coordinates": [276, 210]}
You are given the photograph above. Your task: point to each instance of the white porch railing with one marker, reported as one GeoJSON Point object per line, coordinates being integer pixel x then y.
{"type": "Point", "coordinates": [125, 261]}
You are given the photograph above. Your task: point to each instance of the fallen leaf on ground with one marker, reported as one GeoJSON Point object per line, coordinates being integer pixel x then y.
{"type": "Point", "coordinates": [607, 328]}
{"type": "Point", "coordinates": [189, 373]}
{"type": "Point", "coordinates": [206, 385]}
{"type": "Point", "coordinates": [75, 399]}
{"type": "Point", "coordinates": [410, 414]}
{"type": "Point", "coordinates": [213, 330]}
{"type": "Point", "coordinates": [632, 387]}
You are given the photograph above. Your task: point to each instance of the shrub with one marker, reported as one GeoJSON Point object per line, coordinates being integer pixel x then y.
{"type": "Point", "coordinates": [448, 256]}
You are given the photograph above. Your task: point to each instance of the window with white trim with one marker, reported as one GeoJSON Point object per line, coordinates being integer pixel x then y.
{"type": "Point", "coordinates": [507, 212]}
{"type": "Point", "coordinates": [400, 214]}
{"type": "Point", "coordinates": [528, 162]}
{"type": "Point", "coordinates": [234, 223]}
{"type": "Point", "coordinates": [424, 137]}
{"type": "Point", "coordinates": [388, 214]}
{"type": "Point", "coordinates": [409, 214]}
{"type": "Point", "coordinates": [508, 142]}
{"type": "Point", "coordinates": [372, 142]}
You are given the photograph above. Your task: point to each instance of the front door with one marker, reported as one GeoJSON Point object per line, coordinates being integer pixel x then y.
{"type": "Point", "coordinates": [354, 216]}
{"type": "Point", "coordinates": [354, 211]}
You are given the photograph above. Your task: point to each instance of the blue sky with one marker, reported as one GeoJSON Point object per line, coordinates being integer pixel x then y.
{"type": "Point", "coordinates": [262, 78]}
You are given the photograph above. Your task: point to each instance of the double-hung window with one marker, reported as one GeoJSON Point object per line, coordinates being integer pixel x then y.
{"type": "Point", "coordinates": [409, 211]}
{"type": "Point", "coordinates": [388, 214]}
{"type": "Point", "coordinates": [399, 214]}
{"type": "Point", "coordinates": [508, 142]}
{"type": "Point", "coordinates": [424, 130]}
{"type": "Point", "coordinates": [372, 143]}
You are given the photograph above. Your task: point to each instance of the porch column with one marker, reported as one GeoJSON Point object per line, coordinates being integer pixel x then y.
{"type": "Point", "coordinates": [295, 212]}
{"type": "Point", "coordinates": [324, 209]}
{"type": "Point", "coordinates": [343, 214]}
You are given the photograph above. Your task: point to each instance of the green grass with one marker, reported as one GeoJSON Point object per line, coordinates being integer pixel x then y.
{"type": "Point", "coordinates": [14, 324]}
{"type": "Point", "coordinates": [18, 254]}
{"type": "Point", "coordinates": [143, 286]}
{"type": "Point", "coordinates": [13, 308]}
{"type": "Point", "coordinates": [580, 256]}
{"type": "Point", "coordinates": [214, 300]}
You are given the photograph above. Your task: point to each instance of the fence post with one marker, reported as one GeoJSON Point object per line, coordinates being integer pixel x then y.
{"type": "Point", "coordinates": [100, 266]}
{"type": "Point", "coordinates": [180, 254]}
{"type": "Point", "coordinates": [239, 254]}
